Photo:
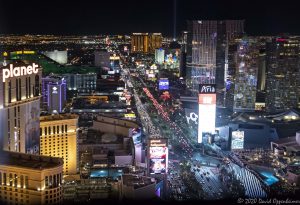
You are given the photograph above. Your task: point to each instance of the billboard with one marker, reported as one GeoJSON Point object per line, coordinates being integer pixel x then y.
{"type": "Point", "coordinates": [32, 126]}
{"type": "Point", "coordinates": [191, 116]}
{"type": "Point", "coordinates": [158, 156]}
{"type": "Point", "coordinates": [237, 140]}
{"type": "Point", "coordinates": [17, 71]}
{"type": "Point", "coordinates": [172, 59]}
{"type": "Point", "coordinates": [163, 84]}
{"type": "Point", "coordinates": [207, 110]}
{"type": "Point", "coordinates": [137, 135]}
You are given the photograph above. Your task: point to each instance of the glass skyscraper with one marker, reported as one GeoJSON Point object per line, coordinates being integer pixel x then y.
{"type": "Point", "coordinates": [283, 74]}
{"type": "Point", "coordinates": [207, 53]}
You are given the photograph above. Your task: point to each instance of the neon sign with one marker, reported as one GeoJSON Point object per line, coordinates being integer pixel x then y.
{"type": "Point", "coordinates": [19, 71]}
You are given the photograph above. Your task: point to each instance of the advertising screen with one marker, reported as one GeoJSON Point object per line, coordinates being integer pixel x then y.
{"type": "Point", "coordinates": [32, 126]}
{"type": "Point", "coordinates": [137, 135]}
{"type": "Point", "coordinates": [163, 84]}
{"type": "Point", "coordinates": [158, 152]}
{"type": "Point", "coordinates": [151, 75]}
{"type": "Point", "coordinates": [207, 110]}
{"type": "Point", "coordinates": [172, 59]}
{"type": "Point", "coordinates": [157, 166]}
{"type": "Point", "coordinates": [237, 140]}
{"type": "Point", "coordinates": [158, 156]}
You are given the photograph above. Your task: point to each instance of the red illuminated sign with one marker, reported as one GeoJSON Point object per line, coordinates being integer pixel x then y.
{"type": "Point", "coordinates": [281, 40]}
{"type": "Point", "coordinates": [207, 99]}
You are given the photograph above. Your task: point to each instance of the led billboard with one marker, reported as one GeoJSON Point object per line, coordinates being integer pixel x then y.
{"type": "Point", "coordinates": [158, 156]}
{"type": "Point", "coordinates": [237, 140]}
{"type": "Point", "coordinates": [163, 84]}
{"type": "Point", "coordinates": [137, 135]}
{"type": "Point", "coordinates": [207, 110]}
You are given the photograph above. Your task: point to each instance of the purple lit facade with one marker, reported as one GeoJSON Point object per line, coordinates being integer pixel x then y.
{"type": "Point", "coordinates": [54, 94]}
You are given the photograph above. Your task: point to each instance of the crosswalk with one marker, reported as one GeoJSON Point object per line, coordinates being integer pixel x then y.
{"type": "Point", "coordinates": [253, 187]}
{"type": "Point", "coordinates": [212, 188]}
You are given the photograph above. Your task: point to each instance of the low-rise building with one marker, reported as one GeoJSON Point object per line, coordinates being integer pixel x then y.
{"type": "Point", "coordinates": [137, 187]}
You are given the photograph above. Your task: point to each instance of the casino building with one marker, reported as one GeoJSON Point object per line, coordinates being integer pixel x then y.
{"type": "Point", "coordinates": [30, 179]}
{"type": "Point", "coordinates": [20, 91]}
{"type": "Point", "coordinates": [58, 137]}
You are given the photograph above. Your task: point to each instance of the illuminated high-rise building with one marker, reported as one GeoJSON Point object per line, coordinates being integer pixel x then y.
{"type": "Point", "coordinates": [140, 42]}
{"type": "Point", "coordinates": [159, 56]}
{"type": "Point", "coordinates": [81, 83]}
{"type": "Point", "coordinates": [251, 51]}
{"type": "Point", "coordinates": [145, 42]}
{"type": "Point", "coordinates": [201, 53]}
{"type": "Point", "coordinates": [20, 91]}
{"type": "Point", "coordinates": [155, 41]}
{"type": "Point", "coordinates": [283, 74]}
{"type": "Point", "coordinates": [59, 139]}
{"type": "Point", "coordinates": [231, 73]}
{"type": "Point", "coordinates": [30, 179]}
{"type": "Point", "coordinates": [207, 53]}
{"type": "Point", "coordinates": [54, 94]}
{"type": "Point", "coordinates": [245, 84]}
{"type": "Point", "coordinates": [183, 53]}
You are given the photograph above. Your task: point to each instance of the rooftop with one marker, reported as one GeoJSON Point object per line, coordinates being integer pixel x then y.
{"type": "Point", "coordinates": [294, 169]}
{"type": "Point", "coordinates": [290, 143]}
{"type": "Point", "coordinates": [29, 161]}
{"type": "Point", "coordinates": [50, 66]}
{"type": "Point", "coordinates": [53, 117]}
{"type": "Point", "coordinates": [97, 137]}
{"type": "Point", "coordinates": [96, 102]}
{"type": "Point", "coordinates": [136, 181]}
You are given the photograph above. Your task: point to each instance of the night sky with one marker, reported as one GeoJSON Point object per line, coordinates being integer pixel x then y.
{"type": "Point", "coordinates": [263, 17]}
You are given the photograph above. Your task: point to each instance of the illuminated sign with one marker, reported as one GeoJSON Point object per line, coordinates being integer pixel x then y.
{"type": "Point", "coordinates": [191, 116]}
{"type": "Point", "coordinates": [158, 166]}
{"type": "Point", "coordinates": [158, 160]}
{"type": "Point", "coordinates": [153, 67]}
{"type": "Point", "coordinates": [158, 143]}
{"type": "Point", "coordinates": [207, 88]}
{"type": "Point", "coordinates": [237, 140]}
{"type": "Point", "coordinates": [151, 75]}
{"type": "Point", "coordinates": [137, 135]}
{"type": "Point", "coordinates": [28, 52]}
{"type": "Point", "coordinates": [281, 40]}
{"type": "Point", "coordinates": [260, 106]}
{"type": "Point", "coordinates": [19, 71]}
{"type": "Point", "coordinates": [54, 90]}
{"type": "Point", "coordinates": [207, 110]}
{"type": "Point", "coordinates": [158, 156]}
{"type": "Point", "coordinates": [130, 115]}
{"type": "Point", "coordinates": [22, 52]}
{"type": "Point", "coordinates": [158, 152]}
{"type": "Point", "coordinates": [207, 99]}
{"type": "Point", "coordinates": [163, 84]}
{"type": "Point", "coordinates": [114, 58]}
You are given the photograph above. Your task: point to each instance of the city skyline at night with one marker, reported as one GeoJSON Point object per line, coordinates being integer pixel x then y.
{"type": "Point", "coordinates": [123, 17]}
{"type": "Point", "coordinates": [158, 102]}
